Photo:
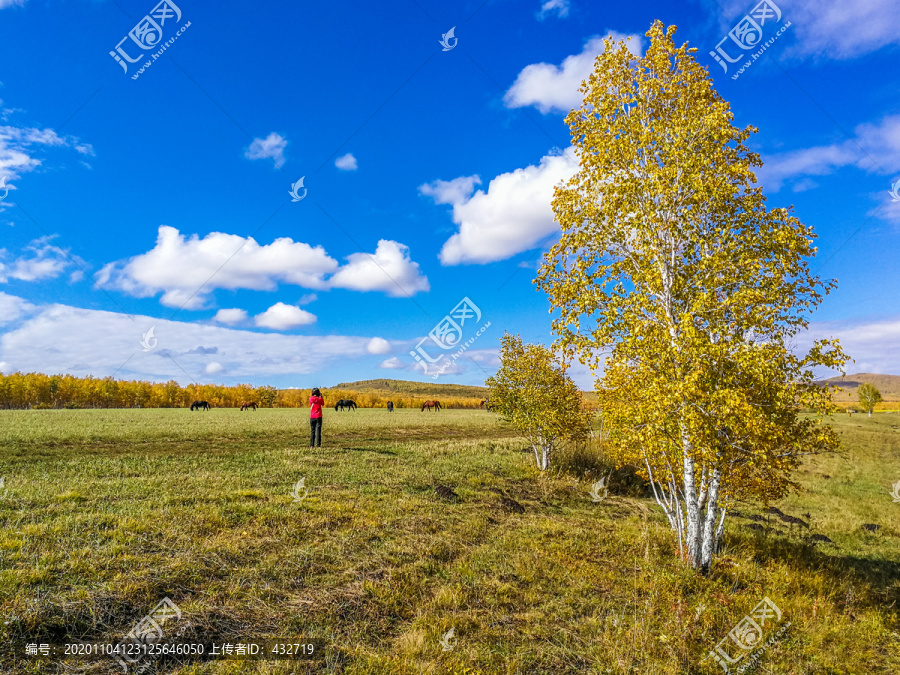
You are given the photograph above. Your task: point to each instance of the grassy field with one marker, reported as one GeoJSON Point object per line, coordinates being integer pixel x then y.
{"type": "Point", "coordinates": [106, 512]}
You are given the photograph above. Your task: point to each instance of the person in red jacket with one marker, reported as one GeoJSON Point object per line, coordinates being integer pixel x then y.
{"type": "Point", "coordinates": [315, 418]}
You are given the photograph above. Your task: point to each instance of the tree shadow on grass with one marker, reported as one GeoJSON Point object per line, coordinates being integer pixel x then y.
{"type": "Point", "coordinates": [879, 574]}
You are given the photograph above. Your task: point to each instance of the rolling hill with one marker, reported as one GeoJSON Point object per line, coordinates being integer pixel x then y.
{"type": "Point", "coordinates": [888, 385]}
{"type": "Point", "coordinates": [413, 388]}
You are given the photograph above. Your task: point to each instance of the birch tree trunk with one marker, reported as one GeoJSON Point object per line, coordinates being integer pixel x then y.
{"type": "Point", "coordinates": [543, 449]}
{"type": "Point", "coordinates": [708, 544]}
{"type": "Point", "coordinates": [691, 505]}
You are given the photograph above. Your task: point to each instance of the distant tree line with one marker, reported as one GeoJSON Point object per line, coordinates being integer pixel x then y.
{"type": "Point", "coordinates": [41, 391]}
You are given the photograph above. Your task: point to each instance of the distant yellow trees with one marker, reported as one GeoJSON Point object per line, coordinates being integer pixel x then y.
{"type": "Point", "coordinates": [37, 390]}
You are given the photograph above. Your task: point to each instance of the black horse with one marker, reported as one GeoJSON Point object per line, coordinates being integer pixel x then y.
{"type": "Point", "coordinates": [345, 403]}
{"type": "Point", "coordinates": [390, 406]}
{"type": "Point", "coordinates": [200, 405]}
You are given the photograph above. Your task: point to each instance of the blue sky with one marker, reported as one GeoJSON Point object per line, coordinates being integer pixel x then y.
{"type": "Point", "coordinates": [161, 198]}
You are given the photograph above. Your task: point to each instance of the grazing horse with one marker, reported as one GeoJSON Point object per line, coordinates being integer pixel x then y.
{"type": "Point", "coordinates": [200, 405]}
{"type": "Point", "coordinates": [390, 406]}
{"type": "Point", "coordinates": [486, 404]}
{"type": "Point", "coordinates": [345, 403]}
{"type": "Point", "coordinates": [431, 405]}
{"type": "Point", "coordinates": [246, 405]}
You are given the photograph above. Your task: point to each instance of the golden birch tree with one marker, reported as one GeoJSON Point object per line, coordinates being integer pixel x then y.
{"type": "Point", "coordinates": [532, 391]}
{"type": "Point", "coordinates": [674, 279]}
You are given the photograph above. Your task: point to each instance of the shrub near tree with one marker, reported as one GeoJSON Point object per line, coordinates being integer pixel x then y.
{"type": "Point", "coordinates": [869, 397]}
{"type": "Point", "coordinates": [671, 267]}
{"type": "Point", "coordinates": [532, 391]}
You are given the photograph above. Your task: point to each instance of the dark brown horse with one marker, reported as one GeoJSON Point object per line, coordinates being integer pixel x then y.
{"type": "Point", "coordinates": [431, 405]}
{"type": "Point", "coordinates": [200, 405]}
{"type": "Point", "coordinates": [390, 406]}
{"type": "Point", "coordinates": [246, 405]}
{"type": "Point", "coordinates": [345, 403]}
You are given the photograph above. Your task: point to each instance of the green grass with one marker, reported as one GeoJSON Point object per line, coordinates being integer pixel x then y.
{"type": "Point", "coordinates": [108, 511]}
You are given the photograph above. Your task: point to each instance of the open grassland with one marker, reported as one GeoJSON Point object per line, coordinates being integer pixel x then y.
{"type": "Point", "coordinates": [106, 512]}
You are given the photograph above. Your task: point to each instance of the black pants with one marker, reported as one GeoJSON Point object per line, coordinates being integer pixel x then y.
{"type": "Point", "coordinates": [315, 432]}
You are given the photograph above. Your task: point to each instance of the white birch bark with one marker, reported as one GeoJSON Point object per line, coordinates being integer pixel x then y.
{"type": "Point", "coordinates": [709, 522]}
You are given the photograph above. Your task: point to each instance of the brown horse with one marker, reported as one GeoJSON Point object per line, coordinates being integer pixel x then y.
{"type": "Point", "coordinates": [246, 405]}
{"type": "Point", "coordinates": [390, 406]}
{"type": "Point", "coordinates": [431, 405]}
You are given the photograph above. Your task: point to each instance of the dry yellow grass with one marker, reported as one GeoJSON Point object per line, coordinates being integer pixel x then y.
{"type": "Point", "coordinates": [107, 512]}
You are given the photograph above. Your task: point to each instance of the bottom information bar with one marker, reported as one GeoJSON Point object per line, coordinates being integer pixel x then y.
{"type": "Point", "coordinates": [132, 651]}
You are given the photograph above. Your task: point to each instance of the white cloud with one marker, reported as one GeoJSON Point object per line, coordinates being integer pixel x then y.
{"type": "Point", "coordinates": [378, 345]}
{"type": "Point", "coordinates": [879, 141]}
{"type": "Point", "coordinates": [560, 7]}
{"type": "Point", "coordinates": [346, 162]}
{"type": "Point", "coordinates": [832, 29]}
{"type": "Point", "coordinates": [45, 262]}
{"type": "Point", "coordinates": [804, 184]}
{"type": "Point", "coordinates": [837, 29]}
{"type": "Point", "coordinates": [64, 339]}
{"type": "Point", "coordinates": [19, 144]}
{"type": "Point", "coordinates": [282, 317]}
{"type": "Point", "coordinates": [873, 344]}
{"type": "Point", "coordinates": [389, 269]}
{"type": "Point", "coordinates": [582, 375]}
{"type": "Point", "coordinates": [271, 147]}
{"type": "Point", "coordinates": [489, 358]}
{"type": "Point", "coordinates": [889, 210]}
{"type": "Point", "coordinates": [394, 363]}
{"type": "Point", "coordinates": [442, 369]}
{"type": "Point", "coordinates": [450, 191]}
{"type": "Point", "coordinates": [11, 3]}
{"type": "Point", "coordinates": [13, 308]}
{"type": "Point", "coordinates": [178, 267]}
{"type": "Point", "coordinates": [484, 362]}
{"type": "Point", "coordinates": [555, 88]}
{"type": "Point", "coordinates": [213, 368]}
{"type": "Point", "coordinates": [307, 298]}
{"type": "Point", "coordinates": [512, 216]}
{"type": "Point", "coordinates": [188, 270]}
{"type": "Point", "coordinates": [230, 316]}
